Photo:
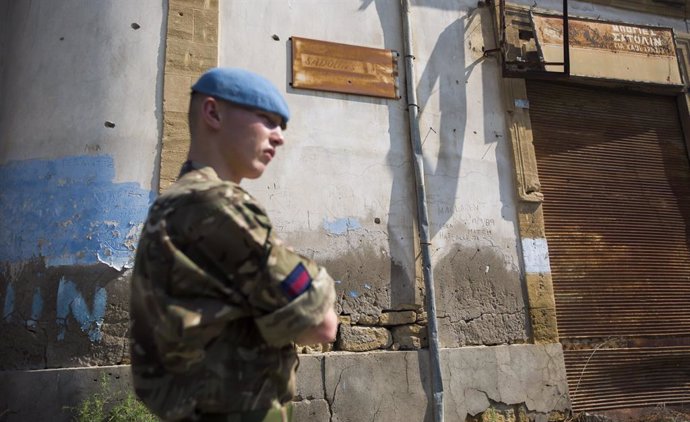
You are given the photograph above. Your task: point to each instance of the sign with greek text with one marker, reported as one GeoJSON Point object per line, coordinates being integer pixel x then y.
{"type": "Point", "coordinates": [349, 69]}
{"type": "Point", "coordinates": [610, 50]}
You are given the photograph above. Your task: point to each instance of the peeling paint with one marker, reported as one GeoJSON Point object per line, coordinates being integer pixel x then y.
{"type": "Point", "coordinates": [67, 210]}
{"type": "Point", "coordinates": [70, 299]}
{"type": "Point", "coordinates": [536, 255]}
{"type": "Point", "coordinates": [341, 226]}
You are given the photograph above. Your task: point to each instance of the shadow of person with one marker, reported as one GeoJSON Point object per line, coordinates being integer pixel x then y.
{"type": "Point", "coordinates": [443, 79]}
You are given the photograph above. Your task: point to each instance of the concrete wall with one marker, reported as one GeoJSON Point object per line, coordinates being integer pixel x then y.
{"type": "Point", "coordinates": [80, 122]}
{"type": "Point", "coordinates": [352, 387]}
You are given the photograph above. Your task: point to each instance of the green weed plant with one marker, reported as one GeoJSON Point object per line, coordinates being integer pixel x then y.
{"type": "Point", "coordinates": [108, 406]}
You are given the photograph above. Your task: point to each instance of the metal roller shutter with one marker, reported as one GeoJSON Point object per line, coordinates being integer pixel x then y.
{"type": "Point", "coordinates": [616, 181]}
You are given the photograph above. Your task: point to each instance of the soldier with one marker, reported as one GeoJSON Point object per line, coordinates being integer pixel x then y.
{"type": "Point", "coordinates": [217, 301]}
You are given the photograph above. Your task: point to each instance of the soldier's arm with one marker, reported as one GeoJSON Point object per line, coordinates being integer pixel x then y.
{"type": "Point", "coordinates": [292, 298]}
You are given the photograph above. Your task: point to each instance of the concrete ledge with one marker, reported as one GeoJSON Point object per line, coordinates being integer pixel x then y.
{"type": "Point", "coordinates": [374, 386]}
{"type": "Point", "coordinates": [52, 394]}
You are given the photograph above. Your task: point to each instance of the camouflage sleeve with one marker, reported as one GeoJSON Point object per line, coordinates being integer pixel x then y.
{"type": "Point", "coordinates": [287, 292]}
{"type": "Point", "coordinates": [310, 292]}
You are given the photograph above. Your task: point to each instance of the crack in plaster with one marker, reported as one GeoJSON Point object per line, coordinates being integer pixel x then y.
{"type": "Point", "coordinates": [486, 395]}
{"type": "Point", "coordinates": [378, 409]}
{"type": "Point", "coordinates": [482, 314]}
{"type": "Point", "coordinates": [331, 403]}
{"type": "Point", "coordinates": [323, 386]}
{"type": "Point", "coordinates": [407, 372]}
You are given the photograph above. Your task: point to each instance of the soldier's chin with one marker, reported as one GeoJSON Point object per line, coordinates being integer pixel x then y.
{"type": "Point", "coordinates": [256, 173]}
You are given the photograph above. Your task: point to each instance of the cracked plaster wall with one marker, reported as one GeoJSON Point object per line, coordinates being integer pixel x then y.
{"type": "Point", "coordinates": [395, 386]}
{"type": "Point", "coordinates": [349, 387]}
{"type": "Point", "coordinates": [359, 219]}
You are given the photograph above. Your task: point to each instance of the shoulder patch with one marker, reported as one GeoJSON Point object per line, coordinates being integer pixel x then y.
{"type": "Point", "coordinates": [297, 282]}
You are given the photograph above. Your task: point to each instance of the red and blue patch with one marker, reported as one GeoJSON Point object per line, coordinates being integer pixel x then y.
{"type": "Point", "coordinates": [297, 282]}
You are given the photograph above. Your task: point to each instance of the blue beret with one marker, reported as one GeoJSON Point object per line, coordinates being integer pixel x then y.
{"type": "Point", "coordinates": [244, 88]}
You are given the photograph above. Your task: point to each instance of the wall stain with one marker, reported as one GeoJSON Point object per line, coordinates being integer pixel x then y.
{"type": "Point", "coordinates": [479, 300]}
{"type": "Point", "coordinates": [364, 276]}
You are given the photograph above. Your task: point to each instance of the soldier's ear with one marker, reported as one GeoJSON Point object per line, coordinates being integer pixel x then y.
{"type": "Point", "coordinates": [210, 112]}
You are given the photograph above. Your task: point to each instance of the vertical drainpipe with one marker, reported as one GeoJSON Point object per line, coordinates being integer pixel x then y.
{"type": "Point", "coordinates": [422, 217]}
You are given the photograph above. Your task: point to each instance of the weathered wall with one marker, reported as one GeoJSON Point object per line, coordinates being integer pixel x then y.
{"type": "Point", "coordinates": [358, 216]}
{"type": "Point", "coordinates": [80, 115]}
{"type": "Point", "coordinates": [469, 176]}
{"type": "Point", "coordinates": [383, 387]}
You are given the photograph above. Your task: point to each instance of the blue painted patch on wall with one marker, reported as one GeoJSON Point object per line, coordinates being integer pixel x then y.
{"type": "Point", "coordinates": [341, 226]}
{"type": "Point", "coordinates": [70, 212]}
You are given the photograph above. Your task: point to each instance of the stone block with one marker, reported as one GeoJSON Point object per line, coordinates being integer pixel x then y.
{"type": "Point", "coordinates": [408, 307]}
{"type": "Point", "coordinates": [540, 290]}
{"type": "Point", "coordinates": [409, 337]}
{"type": "Point", "coordinates": [190, 56]}
{"type": "Point", "coordinates": [181, 23]}
{"type": "Point", "coordinates": [345, 319]}
{"type": "Point", "coordinates": [309, 384]}
{"type": "Point", "coordinates": [362, 339]}
{"type": "Point", "coordinates": [365, 319]}
{"type": "Point", "coordinates": [176, 125]}
{"type": "Point", "coordinates": [397, 318]}
{"type": "Point", "coordinates": [314, 348]}
{"type": "Point", "coordinates": [205, 26]}
{"type": "Point", "coordinates": [377, 386]}
{"type": "Point", "coordinates": [177, 92]}
{"type": "Point", "coordinates": [196, 4]}
{"type": "Point", "coordinates": [544, 328]}
{"type": "Point", "coordinates": [422, 318]}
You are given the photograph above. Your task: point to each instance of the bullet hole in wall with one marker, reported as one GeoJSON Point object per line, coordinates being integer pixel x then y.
{"type": "Point", "coordinates": [135, 26]}
{"type": "Point", "coordinates": [377, 220]}
{"type": "Point", "coordinates": [62, 38]}
{"type": "Point", "coordinates": [109, 124]}
{"type": "Point", "coordinates": [276, 37]}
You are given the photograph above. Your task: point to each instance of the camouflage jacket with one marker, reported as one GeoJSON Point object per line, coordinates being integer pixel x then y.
{"type": "Point", "coordinates": [216, 302]}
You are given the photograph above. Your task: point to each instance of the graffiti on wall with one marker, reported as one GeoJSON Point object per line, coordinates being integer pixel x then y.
{"type": "Point", "coordinates": [69, 301]}
{"type": "Point", "coordinates": [66, 213]}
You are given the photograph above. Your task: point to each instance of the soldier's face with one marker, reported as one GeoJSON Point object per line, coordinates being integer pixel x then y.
{"type": "Point", "coordinates": [250, 138]}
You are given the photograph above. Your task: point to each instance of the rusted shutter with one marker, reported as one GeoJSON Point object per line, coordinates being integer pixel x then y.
{"type": "Point", "coordinates": [616, 181]}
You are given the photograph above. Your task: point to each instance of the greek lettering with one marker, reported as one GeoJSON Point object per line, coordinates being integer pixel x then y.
{"type": "Point", "coordinates": [643, 40]}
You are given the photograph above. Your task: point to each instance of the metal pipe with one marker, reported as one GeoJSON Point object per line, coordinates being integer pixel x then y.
{"type": "Point", "coordinates": [422, 217]}
{"type": "Point", "coordinates": [566, 39]}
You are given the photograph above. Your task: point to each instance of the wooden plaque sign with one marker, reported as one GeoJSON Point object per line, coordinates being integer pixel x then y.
{"type": "Point", "coordinates": [349, 69]}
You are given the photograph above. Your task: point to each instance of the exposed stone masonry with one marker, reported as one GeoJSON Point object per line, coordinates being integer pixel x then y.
{"type": "Point", "coordinates": [390, 330]}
